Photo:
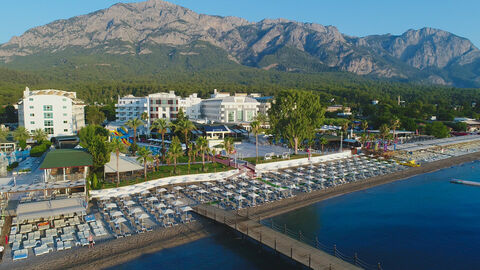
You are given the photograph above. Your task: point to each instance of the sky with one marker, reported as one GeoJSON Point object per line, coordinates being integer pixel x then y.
{"type": "Point", "coordinates": [351, 17]}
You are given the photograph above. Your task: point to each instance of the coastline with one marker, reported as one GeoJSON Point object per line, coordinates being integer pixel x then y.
{"type": "Point", "coordinates": [117, 251]}
{"type": "Point", "coordinates": [305, 199]}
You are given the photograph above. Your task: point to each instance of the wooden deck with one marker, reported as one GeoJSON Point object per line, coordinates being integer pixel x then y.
{"type": "Point", "coordinates": [292, 248]}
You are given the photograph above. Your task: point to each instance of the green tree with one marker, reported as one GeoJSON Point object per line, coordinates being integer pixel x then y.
{"type": "Point", "coordinates": [21, 135]}
{"type": "Point", "coordinates": [117, 146]}
{"type": "Point", "coordinates": [256, 129]}
{"type": "Point", "coordinates": [10, 113]}
{"type": "Point", "coordinates": [144, 155]}
{"type": "Point", "coordinates": [174, 152]}
{"type": "Point", "coordinates": [384, 131]}
{"type": "Point", "coordinates": [95, 139]}
{"type": "Point", "coordinates": [202, 146]}
{"type": "Point", "coordinates": [184, 126]}
{"type": "Point", "coordinates": [228, 145]}
{"type": "Point", "coordinates": [3, 134]}
{"type": "Point", "coordinates": [323, 142]}
{"type": "Point", "coordinates": [364, 126]}
{"type": "Point", "coordinates": [94, 115]}
{"type": "Point", "coordinates": [39, 135]}
{"type": "Point", "coordinates": [437, 129]}
{"type": "Point", "coordinates": [295, 115]}
{"type": "Point", "coordinates": [395, 124]}
{"type": "Point", "coordinates": [161, 125]}
{"type": "Point", "coordinates": [134, 124]}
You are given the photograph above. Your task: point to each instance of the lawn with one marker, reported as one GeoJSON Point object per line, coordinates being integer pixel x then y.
{"type": "Point", "coordinates": [261, 160]}
{"type": "Point", "coordinates": [167, 171]}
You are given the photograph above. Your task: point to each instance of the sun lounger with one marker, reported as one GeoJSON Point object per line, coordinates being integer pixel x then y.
{"type": "Point", "coordinates": [67, 245]}
{"type": "Point", "coordinates": [43, 249]}
{"type": "Point", "coordinates": [60, 245]}
{"type": "Point", "coordinates": [16, 245]}
{"type": "Point", "coordinates": [20, 254]}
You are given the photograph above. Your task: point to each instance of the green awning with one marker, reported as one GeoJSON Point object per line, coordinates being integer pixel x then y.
{"type": "Point", "coordinates": [65, 158]}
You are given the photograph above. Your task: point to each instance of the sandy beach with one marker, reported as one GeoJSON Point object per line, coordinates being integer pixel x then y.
{"type": "Point", "coordinates": [117, 251]}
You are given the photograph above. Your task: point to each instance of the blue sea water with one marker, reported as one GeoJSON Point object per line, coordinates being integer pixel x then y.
{"type": "Point", "coordinates": [424, 222]}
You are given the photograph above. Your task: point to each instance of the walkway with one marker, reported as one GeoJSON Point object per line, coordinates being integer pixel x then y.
{"type": "Point", "coordinates": [292, 248]}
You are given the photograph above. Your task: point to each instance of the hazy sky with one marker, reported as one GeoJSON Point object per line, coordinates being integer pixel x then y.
{"type": "Point", "coordinates": [352, 17]}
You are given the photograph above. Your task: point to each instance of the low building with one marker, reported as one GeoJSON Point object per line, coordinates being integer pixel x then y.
{"type": "Point", "coordinates": [57, 112]}
{"type": "Point", "coordinates": [336, 108]}
{"type": "Point", "coordinates": [230, 109]}
{"type": "Point", "coordinates": [66, 165]}
{"type": "Point", "coordinates": [130, 107]}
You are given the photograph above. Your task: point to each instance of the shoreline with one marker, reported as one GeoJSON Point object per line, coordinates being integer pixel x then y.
{"type": "Point", "coordinates": [305, 199]}
{"type": "Point", "coordinates": [117, 251]}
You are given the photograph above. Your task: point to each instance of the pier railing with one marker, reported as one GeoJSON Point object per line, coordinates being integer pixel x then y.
{"type": "Point", "coordinates": [314, 242]}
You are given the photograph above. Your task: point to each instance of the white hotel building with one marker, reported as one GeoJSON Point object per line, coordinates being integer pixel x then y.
{"type": "Point", "coordinates": [56, 112]}
{"type": "Point", "coordinates": [224, 108]}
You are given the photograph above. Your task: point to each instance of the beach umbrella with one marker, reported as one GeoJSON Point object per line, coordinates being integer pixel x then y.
{"type": "Point", "coordinates": [145, 192]}
{"type": "Point", "coordinates": [119, 220]}
{"type": "Point", "coordinates": [168, 211]}
{"type": "Point", "coordinates": [230, 186]}
{"type": "Point", "coordinates": [186, 209]}
{"type": "Point", "coordinates": [300, 169]}
{"type": "Point", "coordinates": [116, 214]}
{"type": "Point", "coordinates": [136, 210]}
{"type": "Point", "coordinates": [193, 186]}
{"type": "Point", "coordinates": [310, 183]}
{"type": "Point", "coordinates": [228, 194]}
{"type": "Point", "coordinates": [243, 184]}
{"type": "Point", "coordinates": [216, 189]}
{"type": "Point", "coordinates": [252, 195]}
{"type": "Point", "coordinates": [129, 203]}
{"type": "Point", "coordinates": [267, 186]}
{"type": "Point", "coordinates": [178, 203]}
{"type": "Point", "coordinates": [169, 196]}
{"type": "Point", "coordinates": [239, 197]}
{"type": "Point", "coordinates": [151, 199]}
{"type": "Point", "coordinates": [208, 184]}
{"type": "Point", "coordinates": [162, 190]}
{"type": "Point", "coordinates": [111, 205]}
{"type": "Point", "coordinates": [177, 188]}
{"type": "Point", "coordinates": [143, 216]}
{"type": "Point", "coordinates": [160, 205]}
{"type": "Point", "coordinates": [202, 191]}
{"type": "Point", "coordinates": [253, 188]}
{"type": "Point", "coordinates": [267, 191]}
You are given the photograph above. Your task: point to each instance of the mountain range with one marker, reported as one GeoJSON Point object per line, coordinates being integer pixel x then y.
{"type": "Point", "coordinates": [150, 37]}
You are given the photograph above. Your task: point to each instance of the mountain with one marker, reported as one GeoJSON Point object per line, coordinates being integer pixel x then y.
{"type": "Point", "coordinates": [151, 37]}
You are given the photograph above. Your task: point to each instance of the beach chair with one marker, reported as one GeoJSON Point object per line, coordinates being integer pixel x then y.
{"type": "Point", "coordinates": [20, 254]}
{"type": "Point", "coordinates": [67, 245]}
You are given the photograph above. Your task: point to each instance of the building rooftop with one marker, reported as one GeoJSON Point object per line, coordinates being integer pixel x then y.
{"type": "Point", "coordinates": [66, 158]}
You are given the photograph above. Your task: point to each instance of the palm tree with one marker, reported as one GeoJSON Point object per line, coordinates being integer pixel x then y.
{"type": "Point", "coordinates": [363, 139]}
{"type": "Point", "coordinates": [190, 154]}
{"type": "Point", "coordinates": [117, 146]}
{"type": "Point", "coordinates": [345, 127]}
{"type": "Point", "coordinates": [144, 155]}
{"type": "Point", "coordinates": [3, 133]}
{"type": "Point", "coordinates": [175, 151]}
{"type": "Point", "coordinates": [202, 146]}
{"type": "Point", "coordinates": [323, 142]}
{"type": "Point", "coordinates": [21, 134]}
{"type": "Point", "coordinates": [228, 145]}
{"type": "Point", "coordinates": [184, 126]}
{"type": "Point", "coordinates": [256, 128]}
{"type": "Point", "coordinates": [161, 125]}
{"type": "Point", "coordinates": [39, 135]}
{"type": "Point", "coordinates": [364, 126]}
{"type": "Point", "coordinates": [384, 131]}
{"type": "Point", "coordinates": [394, 125]}
{"type": "Point", "coordinates": [134, 124]}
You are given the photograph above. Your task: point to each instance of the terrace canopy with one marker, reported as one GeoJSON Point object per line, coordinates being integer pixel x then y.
{"type": "Point", "coordinates": [48, 209]}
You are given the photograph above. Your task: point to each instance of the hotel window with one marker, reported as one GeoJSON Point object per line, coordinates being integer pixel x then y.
{"type": "Point", "coordinates": [65, 130]}
{"type": "Point", "coordinates": [49, 131]}
{"type": "Point", "coordinates": [64, 99]}
{"type": "Point", "coordinates": [231, 116]}
{"type": "Point", "coordinates": [32, 114]}
{"type": "Point", "coordinates": [32, 122]}
{"type": "Point", "coordinates": [65, 121]}
{"type": "Point", "coordinates": [64, 114]}
{"type": "Point", "coordinates": [48, 115]}
{"type": "Point", "coordinates": [31, 107]}
{"type": "Point", "coordinates": [64, 107]}
{"type": "Point", "coordinates": [47, 108]}
{"type": "Point", "coordinates": [48, 123]}
{"type": "Point", "coordinates": [30, 99]}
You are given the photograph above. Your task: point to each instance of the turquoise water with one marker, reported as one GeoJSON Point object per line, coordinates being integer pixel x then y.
{"type": "Point", "coordinates": [423, 222]}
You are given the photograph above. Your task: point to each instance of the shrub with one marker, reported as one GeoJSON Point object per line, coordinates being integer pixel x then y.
{"type": "Point", "coordinates": [38, 150]}
{"type": "Point", "coordinates": [12, 166]}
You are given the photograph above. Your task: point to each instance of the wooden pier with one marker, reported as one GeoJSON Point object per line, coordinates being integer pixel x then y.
{"type": "Point", "coordinates": [296, 250]}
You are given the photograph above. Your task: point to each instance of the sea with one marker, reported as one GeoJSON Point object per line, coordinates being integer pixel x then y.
{"type": "Point", "coordinates": [423, 222]}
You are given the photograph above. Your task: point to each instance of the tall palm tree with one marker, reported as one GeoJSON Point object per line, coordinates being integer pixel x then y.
{"type": "Point", "coordinates": [175, 151]}
{"type": "Point", "coordinates": [134, 124]}
{"type": "Point", "coordinates": [184, 126]}
{"type": "Point", "coordinates": [161, 125]}
{"type": "Point", "coordinates": [144, 155]}
{"type": "Point", "coordinates": [228, 145]}
{"type": "Point", "coordinates": [202, 146]}
{"type": "Point", "coordinates": [364, 126]}
{"type": "Point", "coordinates": [384, 131]}
{"type": "Point", "coordinates": [394, 125]}
{"type": "Point", "coordinates": [117, 146]}
{"type": "Point", "coordinates": [323, 142]}
{"type": "Point", "coordinates": [190, 154]}
{"type": "Point", "coordinates": [345, 127]}
{"type": "Point", "coordinates": [39, 135]}
{"type": "Point", "coordinates": [256, 128]}
{"type": "Point", "coordinates": [21, 134]}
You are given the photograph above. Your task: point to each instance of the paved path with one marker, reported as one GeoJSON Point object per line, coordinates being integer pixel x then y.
{"type": "Point", "coordinates": [298, 251]}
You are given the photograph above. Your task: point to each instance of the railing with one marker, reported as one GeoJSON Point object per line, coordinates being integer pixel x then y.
{"type": "Point", "coordinates": [314, 242]}
{"type": "Point", "coordinates": [68, 177]}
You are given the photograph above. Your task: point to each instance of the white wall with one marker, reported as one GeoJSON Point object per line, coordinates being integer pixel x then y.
{"type": "Point", "coordinates": [300, 162]}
